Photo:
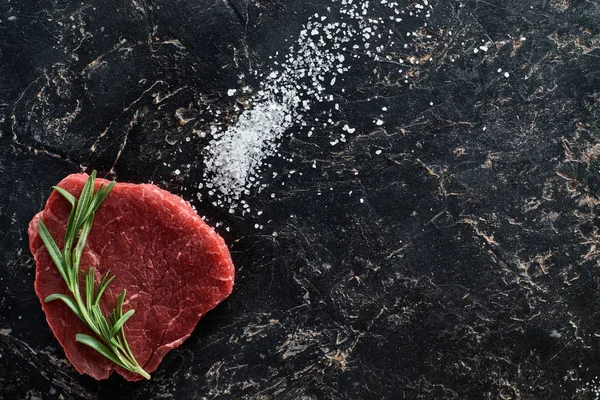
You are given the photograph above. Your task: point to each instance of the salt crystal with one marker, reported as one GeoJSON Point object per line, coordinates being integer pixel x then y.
{"type": "Point", "coordinates": [231, 92]}
{"type": "Point", "coordinates": [348, 129]}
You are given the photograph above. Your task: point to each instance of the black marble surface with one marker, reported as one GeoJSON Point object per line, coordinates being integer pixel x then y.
{"type": "Point", "coordinates": [469, 270]}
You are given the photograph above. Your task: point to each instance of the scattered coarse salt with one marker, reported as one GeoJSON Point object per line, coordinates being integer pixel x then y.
{"type": "Point", "coordinates": [294, 81]}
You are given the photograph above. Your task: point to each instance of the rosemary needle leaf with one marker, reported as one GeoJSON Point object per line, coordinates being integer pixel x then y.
{"type": "Point", "coordinates": [104, 192]}
{"type": "Point", "coordinates": [99, 347]}
{"type": "Point", "coordinates": [52, 248]}
{"type": "Point", "coordinates": [119, 306]}
{"type": "Point", "coordinates": [119, 324]}
{"type": "Point", "coordinates": [85, 231]}
{"type": "Point", "coordinates": [68, 301]}
{"type": "Point", "coordinates": [103, 285]}
{"type": "Point", "coordinates": [70, 198]}
{"type": "Point", "coordinates": [89, 287]}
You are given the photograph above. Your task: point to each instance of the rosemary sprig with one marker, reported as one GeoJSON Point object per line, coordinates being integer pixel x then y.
{"type": "Point", "coordinates": [112, 344]}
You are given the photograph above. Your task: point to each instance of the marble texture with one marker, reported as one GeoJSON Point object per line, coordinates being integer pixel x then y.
{"type": "Point", "coordinates": [470, 269]}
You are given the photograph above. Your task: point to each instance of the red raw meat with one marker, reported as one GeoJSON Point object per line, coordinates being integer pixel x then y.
{"type": "Point", "coordinates": [174, 266]}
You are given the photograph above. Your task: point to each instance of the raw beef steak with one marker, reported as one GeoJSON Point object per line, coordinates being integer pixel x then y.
{"type": "Point", "coordinates": [175, 269]}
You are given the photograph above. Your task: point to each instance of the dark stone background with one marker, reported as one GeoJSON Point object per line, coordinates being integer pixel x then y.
{"type": "Point", "coordinates": [471, 270]}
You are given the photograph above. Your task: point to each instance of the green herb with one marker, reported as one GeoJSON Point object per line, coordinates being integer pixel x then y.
{"type": "Point", "coordinates": [86, 305]}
